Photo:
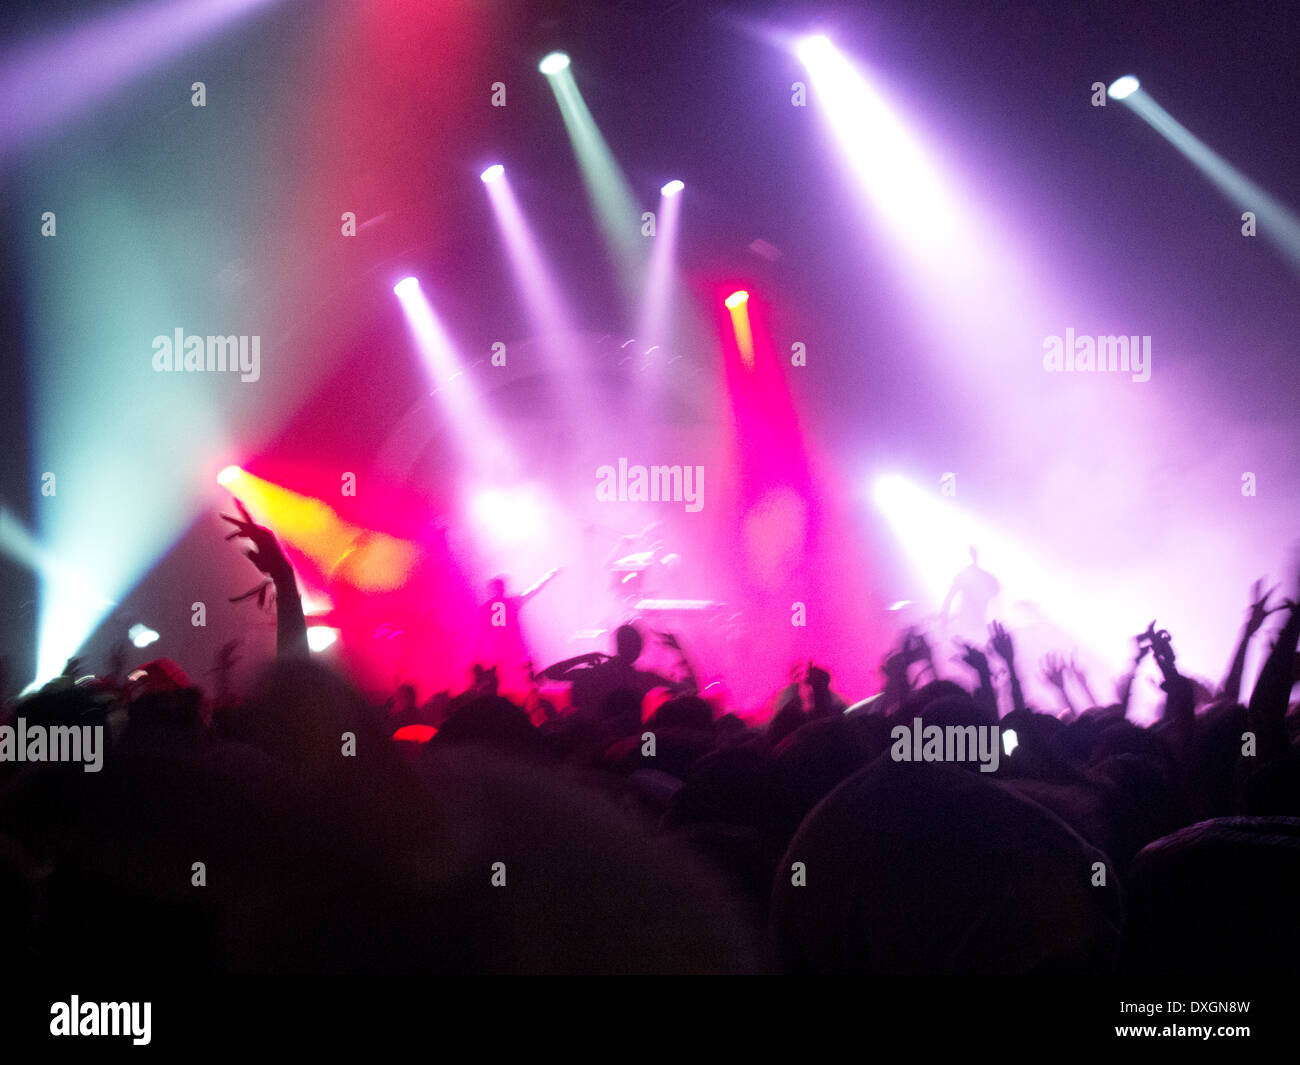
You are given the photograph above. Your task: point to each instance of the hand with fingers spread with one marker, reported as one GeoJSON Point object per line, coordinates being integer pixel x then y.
{"type": "Point", "coordinates": [1255, 617]}
{"type": "Point", "coordinates": [1259, 608]}
{"type": "Point", "coordinates": [1001, 644]}
{"type": "Point", "coordinates": [1053, 670]}
{"type": "Point", "coordinates": [1000, 641]}
{"type": "Point", "coordinates": [1081, 677]}
{"type": "Point", "coordinates": [1267, 708]}
{"type": "Point", "coordinates": [266, 553]}
{"type": "Point", "coordinates": [975, 658]}
{"type": "Point", "coordinates": [984, 695]}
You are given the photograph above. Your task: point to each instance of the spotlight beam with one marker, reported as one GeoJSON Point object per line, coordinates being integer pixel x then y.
{"type": "Point", "coordinates": [49, 80]}
{"type": "Point", "coordinates": [546, 307]}
{"type": "Point", "coordinates": [611, 196]}
{"type": "Point", "coordinates": [1275, 221]}
{"type": "Point", "coordinates": [653, 324]}
{"type": "Point", "coordinates": [478, 437]}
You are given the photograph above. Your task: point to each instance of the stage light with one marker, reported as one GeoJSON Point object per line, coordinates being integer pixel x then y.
{"type": "Point", "coordinates": [1122, 87]}
{"type": "Point", "coordinates": [810, 49]}
{"type": "Point", "coordinates": [142, 635]}
{"type": "Point", "coordinates": [548, 310]}
{"type": "Point", "coordinates": [320, 637]}
{"type": "Point", "coordinates": [553, 63]}
{"type": "Point", "coordinates": [737, 305]}
{"type": "Point", "coordinates": [228, 476]}
{"type": "Point", "coordinates": [1277, 222]}
{"type": "Point", "coordinates": [606, 185]}
{"type": "Point", "coordinates": [100, 55]}
{"type": "Point", "coordinates": [656, 321]}
{"type": "Point", "coordinates": [492, 173]}
{"type": "Point", "coordinates": [475, 431]}
{"type": "Point", "coordinates": [508, 517]}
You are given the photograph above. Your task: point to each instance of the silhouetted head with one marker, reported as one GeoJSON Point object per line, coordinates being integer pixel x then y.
{"type": "Point", "coordinates": [627, 643]}
{"type": "Point", "coordinates": [496, 588]}
{"type": "Point", "coordinates": [974, 555]}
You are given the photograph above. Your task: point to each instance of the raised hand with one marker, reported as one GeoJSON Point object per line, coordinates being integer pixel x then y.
{"type": "Point", "coordinates": [1000, 641]}
{"type": "Point", "coordinates": [267, 556]}
{"type": "Point", "coordinates": [266, 553]}
{"type": "Point", "coordinates": [1053, 671]}
{"type": "Point", "coordinates": [1162, 648]}
{"type": "Point", "coordinates": [1259, 608]}
{"type": "Point", "coordinates": [1081, 675]}
{"type": "Point", "coordinates": [973, 657]}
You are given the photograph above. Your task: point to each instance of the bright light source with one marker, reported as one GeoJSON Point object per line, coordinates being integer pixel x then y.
{"type": "Point", "coordinates": [142, 635]}
{"type": "Point", "coordinates": [811, 48]}
{"type": "Point", "coordinates": [408, 286]}
{"type": "Point", "coordinates": [1122, 87]}
{"type": "Point", "coordinates": [672, 188]}
{"type": "Point", "coordinates": [553, 63]}
{"type": "Point", "coordinates": [492, 173]}
{"type": "Point", "coordinates": [508, 517]}
{"type": "Point", "coordinates": [736, 299]}
{"type": "Point", "coordinates": [320, 637]}
{"type": "Point", "coordinates": [228, 475]}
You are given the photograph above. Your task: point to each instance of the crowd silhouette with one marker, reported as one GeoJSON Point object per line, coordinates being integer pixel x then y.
{"type": "Point", "coordinates": [633, 823]}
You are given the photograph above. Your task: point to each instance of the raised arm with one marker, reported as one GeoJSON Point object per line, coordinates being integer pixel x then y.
{"type": "Point", "coordinates": [984, 695]}
{"type": "Point", "coordinates": [1180, 695]}
{"type": "Point", "coordinates": [1053, 669]}
{"type": "Point", "coordinates": [267, 555]}
{"type": "Point", "coordinates": [1004, 648]}
{"type": "Point", "coordinates": [525, 596]}
{"type": "Point", "coordinates": [1267, 710]}
{"type": "Point", "coordinates": [1081, 678]}
{"type": "Point", "coordinates": [1259, 610]}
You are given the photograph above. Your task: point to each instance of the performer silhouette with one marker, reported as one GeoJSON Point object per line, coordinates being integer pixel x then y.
{"type": "Point", "coordinates": [501, 638]}
{"type": "Point", "coordinates": [973, 589]}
